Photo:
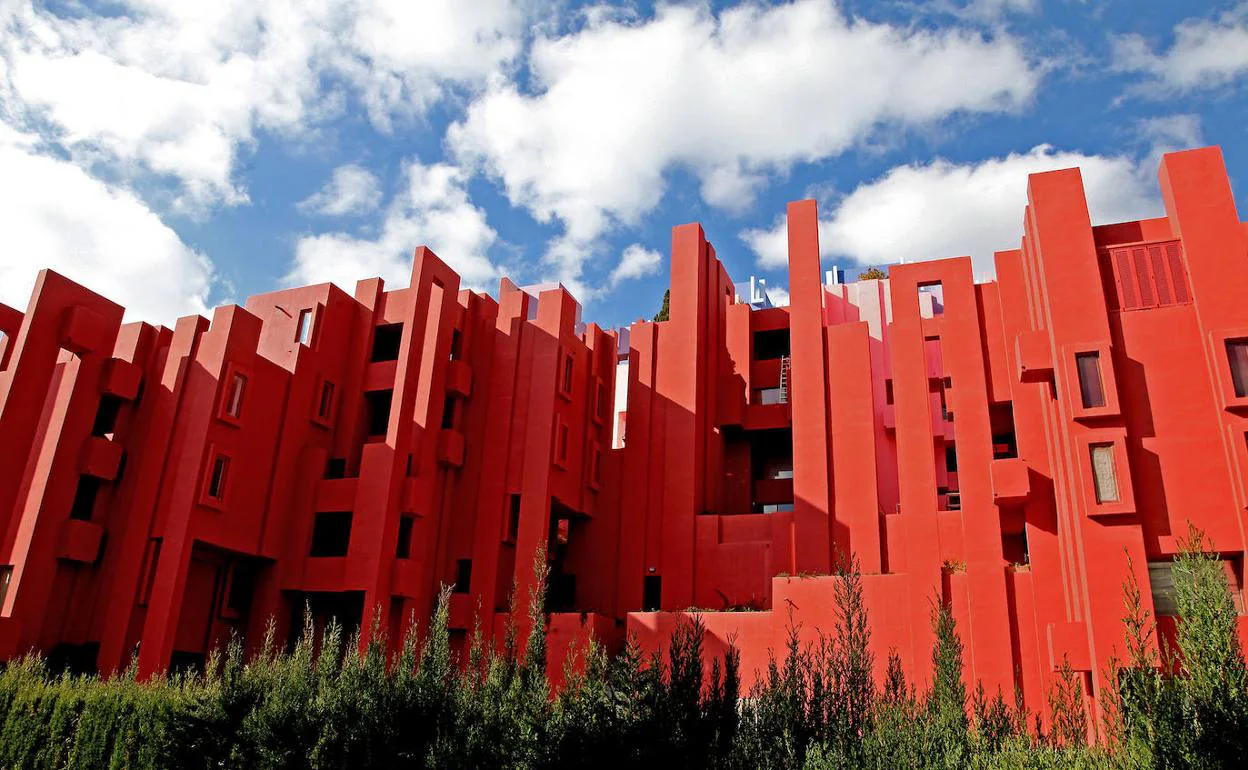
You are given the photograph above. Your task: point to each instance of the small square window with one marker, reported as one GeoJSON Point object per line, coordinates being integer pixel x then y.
{"type": "Point", "coordinates": [217, 478]}
{"type": "Point", "coordinates": [1091, 385]}
{"type": "Point", "coordinates": [331, 534]}
{"type": "Point", "coordinates": [234, 395]}
{"type": "Point", "coordinates": [304, 332]}
{"type": "Point", "coordinates": [1104, 474]}
{"type": "Point", "coordinates": [1237, 357]}
{"type": "Point", "coordinates": [387, 339]}
{"type": "Point", "coordinates": [931, 299]}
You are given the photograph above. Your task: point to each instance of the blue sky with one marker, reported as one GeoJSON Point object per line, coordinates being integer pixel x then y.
{"type": "Point", "coordinates": [175, 156]}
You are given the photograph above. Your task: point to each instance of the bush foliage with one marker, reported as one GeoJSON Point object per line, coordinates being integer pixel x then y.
{"type": "Point", "coordinates": [322, 705]}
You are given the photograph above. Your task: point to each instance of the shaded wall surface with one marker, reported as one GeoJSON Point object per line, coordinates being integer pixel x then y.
{"type": "Point", "coordinates": [1011, 449]}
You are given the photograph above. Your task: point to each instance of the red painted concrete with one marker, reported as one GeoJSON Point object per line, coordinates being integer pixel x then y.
{"type": "Point", "coordinates": [163, 488]}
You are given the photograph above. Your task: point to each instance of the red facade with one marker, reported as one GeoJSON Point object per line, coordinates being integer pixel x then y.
{"type": "Point", "coordinates": [1010, 448]}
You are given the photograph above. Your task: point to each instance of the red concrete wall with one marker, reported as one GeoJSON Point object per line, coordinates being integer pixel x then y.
{"type": "Point", "coordinates": [932, 427]}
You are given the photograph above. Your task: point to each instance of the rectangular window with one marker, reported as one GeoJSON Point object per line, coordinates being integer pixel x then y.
{"type": "Point", "coordinates": [378, 402]}
{"type": "Point", "coordinates": [331, 534]}
{"type": "Point", "coordinates": [1161, 579]}
{"type": "Point", "coordinates": [404, 548]}
{"type": "Point", "coordinates": [217, 478]}
{"type": "Point", "coordinates": [888, 391]}
{"type": "Point", "coordinates": [595, 471]}
{"type": "Point", "coordinates": [562, 439]}
{"type": "Point", "coordinates": [600, 400]}
{"type": "Point", "coordinates": [106, 416]}
{"type": "Point", "coordinates": [513, 520]}
{"type": "Point", "coordinates": [463, 575]}
{"type": "Point", "coordinates": [565, 381]}
{"type": "Point", "coordinates": [325, 404]}
{"type": "Point", "coordinates": [6, 577]}
{"type": "Point", "coordinates": [1091, 386]}
{"type": "Point", "coordinates": [931, 299]}
{"type": "Point", "coordinates": [1104, 474]}
{"type": "Point", "coordinates": [336, 468]}
{"type": "Point", "coordinates": [1237, 356]}
{"type": "Point", "coordinates": [457, 341]}
{"type": "Point", "coordinates": [83, 507]}
{"type": "Point", "coordinates": [771, 345]}
{"type": "Point", "coordinates": [234, 396]}
{"type": "Point", "coordinates": [448, 413]}
{"type": "Point", "coordinates": [386, 341]}
{"type": "Point", "coordinates": [651, 593]}
{"type": "Point", "coordinates": [304, 333]}
{"type": "Point", "coordinates": [951, 458]}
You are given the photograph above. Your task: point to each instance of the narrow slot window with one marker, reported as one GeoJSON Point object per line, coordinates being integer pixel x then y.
{"type": "Point", "coordinates": [561, 444]}
{"type": "Point", "coordinates": [1091, 386]}
{"type": "Point", "coordinates": [1104, 474]}
{"type": "Point", "coordinates": [652, 593]}
{"type": "Point", "coordinates": [448, 413]}
{"type": "Point", "coordinates": [565, 384]}
{"type": "Point", "coordinates": [83, 507]}
{"type": "Point", "coordinates": [304, 333]}
{"type": "Point", "coordinates": [463, 575]}
{"type": "Point", "coordinates": [513, 520]}
{"type": "Point", "coordinates": [217, 478]}
{"type": "Point", "coordinates": [1237, 356]}
{"type": "Point", "coordinates": [403, 550]}
{"type": "Point", "coordinates": [234, 397]}
{"type": "Point", "coordinates": [325, 406]}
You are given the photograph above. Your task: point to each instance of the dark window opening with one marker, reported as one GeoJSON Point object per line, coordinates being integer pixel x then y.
{"type": "Point", "coordinates": [234, 395]}
{"type": "Point", "coordinates": [378, 402]}
{"type": "Point", "coordinates": [331, 533]}
{"type": "Point", "coordinates": [951, 458]}
{"type": "Point", "coordinates": [561, 596]}
{"type": "Point", "coordinates": [1091, 386]}
{"type": "Point", "coordinates": [217, 478]}
{"type": "Point", "coordinates": [386, 341]}
{"type": "Point", "coordinates": [1237, 355]}
{"type": "Point", "coordinates": [448, 413]}
{"type": "Point", "coordinates": [565, 383]}
{"type": "Point", "coordinates": [85, 495]}
{"type": "Point", "coordinates": [411, 458]}
{"type": "Point", "coordinates": [304, 332]}
{"type": "Point", "coordinates": [463, 575]}
{"type": "Point", "coordinates": [404, 548]}
{"type": "Point", "coordinates": [336, 468]}
{"type": "Point", "coordinates": [6, 577]}
{"type": "Point", "coordinates": [562, 439]}
{"type": "Point", "coordinates": [513, 520]}
{"type": "Point", "coordinates": [106, 416]}
{"type": "Point", "coordinates": [242, 587]}
{"type": "Point", "coordinates": [888, 391]}
{"type": "Point", "coordinates": [1014, 549]}
{"type": "Point", "coordinates": [325, 405]}
{"type": "Point", "coordinates": [651, 593]}
{"type": "Point", "coordinates": [772, 344]}
{"type": "Point", "coordinates": [1004, 441]}
{"type": "Point", "coordinates": [457, 341]}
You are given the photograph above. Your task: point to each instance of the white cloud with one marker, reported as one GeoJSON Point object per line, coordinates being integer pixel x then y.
{"type": "Point", "coordinates": [179, 88]}
{"type": "Point", "coordinates": [778, 295]}
{"type": "Point", "coordinates": [350, 190]}
{"type": "Point", "coordinates": [1205, 54]}
{"type": "Point", "coordinates": [636, 262]}
{"type": "Point", "coordinates": [103, 237]}
{"type": "Point", "coordinates": [942, 209]}
{"type": "Point", "coordinates": [733, 98]}
{"type": "Point", "coordinates": [432, 209]}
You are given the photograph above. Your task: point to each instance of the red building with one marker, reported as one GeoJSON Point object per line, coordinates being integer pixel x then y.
{"type": "Point", "coordinates": [1011, 448]}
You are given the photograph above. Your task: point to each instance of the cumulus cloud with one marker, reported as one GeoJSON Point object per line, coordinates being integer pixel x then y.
{"type": "Point", "coordinates": [733, 98]}
{"type": "Point", "coordinates": [636, 262]}
{"type": "Point", "coordinates": [178, 89]}
{"type": "Point", "coordinates": [778, 295]}
{"type": "Point", "coordinates": [942, 209]}
{"type": "Point", "coordinates": [432, 209]}
{"type": "Point", "coordinates": [351, 189]}
{"type": "Point", "coordinates": [57, 216]}
{"type": "Point", "coordinates": [1205, 54]}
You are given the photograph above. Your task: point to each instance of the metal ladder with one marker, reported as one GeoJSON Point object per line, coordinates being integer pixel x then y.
{"type": "Point", "coordinates": [784, 379]}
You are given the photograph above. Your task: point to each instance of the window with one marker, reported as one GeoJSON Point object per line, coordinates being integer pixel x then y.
{"type": "Point", "coordinates": [386, 342]}
{"type": "Point", "coordinates": [1104, 474]}
{"type": "Point", "coordinates": [234, 395]}
{"type": "Point", "coordinates": [106, 416]}
{"type": "Point", "coordinates": [457, 341]}
{"type": "Point", "coordinates": [463, 575]}
{"type": "Point", "coordinates": [888, 391]}
{"type": "Point", "coordinates": [931, 299]}
{"type": "Point", "coordinates": [331, 534]}
{"type": "Point", "coordinates": [217, 478]}
{"type": "Point", "coordinates": [951, 458]}
{"type": "Point", "coordinates": [448, 413]}
{"type": "Point", "coordinates": [1237, 355]}
{"type": "Point", "coordinates": [565, 378]}
{"type": "Point", "coordinates": [378, 402]}
{"type": "Point", "coordinates": [595, 470]}
{"type": "Point", "coordinates": [336, 468]}
{"type": "Point", "coordinates": [6, 577]}
{"type": "Point", "coordinates": [562, 439]}
{"type": "Point", "coordinates": [84, 498]}
{"type": "Point", "coordinates": [1161, 578]}
{"type": "Point", "coordinates": [1091, 387]}
{"type": "Point", "coordinates": [651, 593]}
{"type": "Point", "coordinates": [325, 404]}
{"type": "Point", "coordinates": [240, 585]}
{"type": "Point", "coordinates": [600, 400]}
{"type": "Point", "coordinates": [304, 332]}
{"type": "Point", "coordinates": [403, 550]}
{"type": "Point", "coordinates": [513, 520]}
{"type": "Point", "coordinates": [771, 344]}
